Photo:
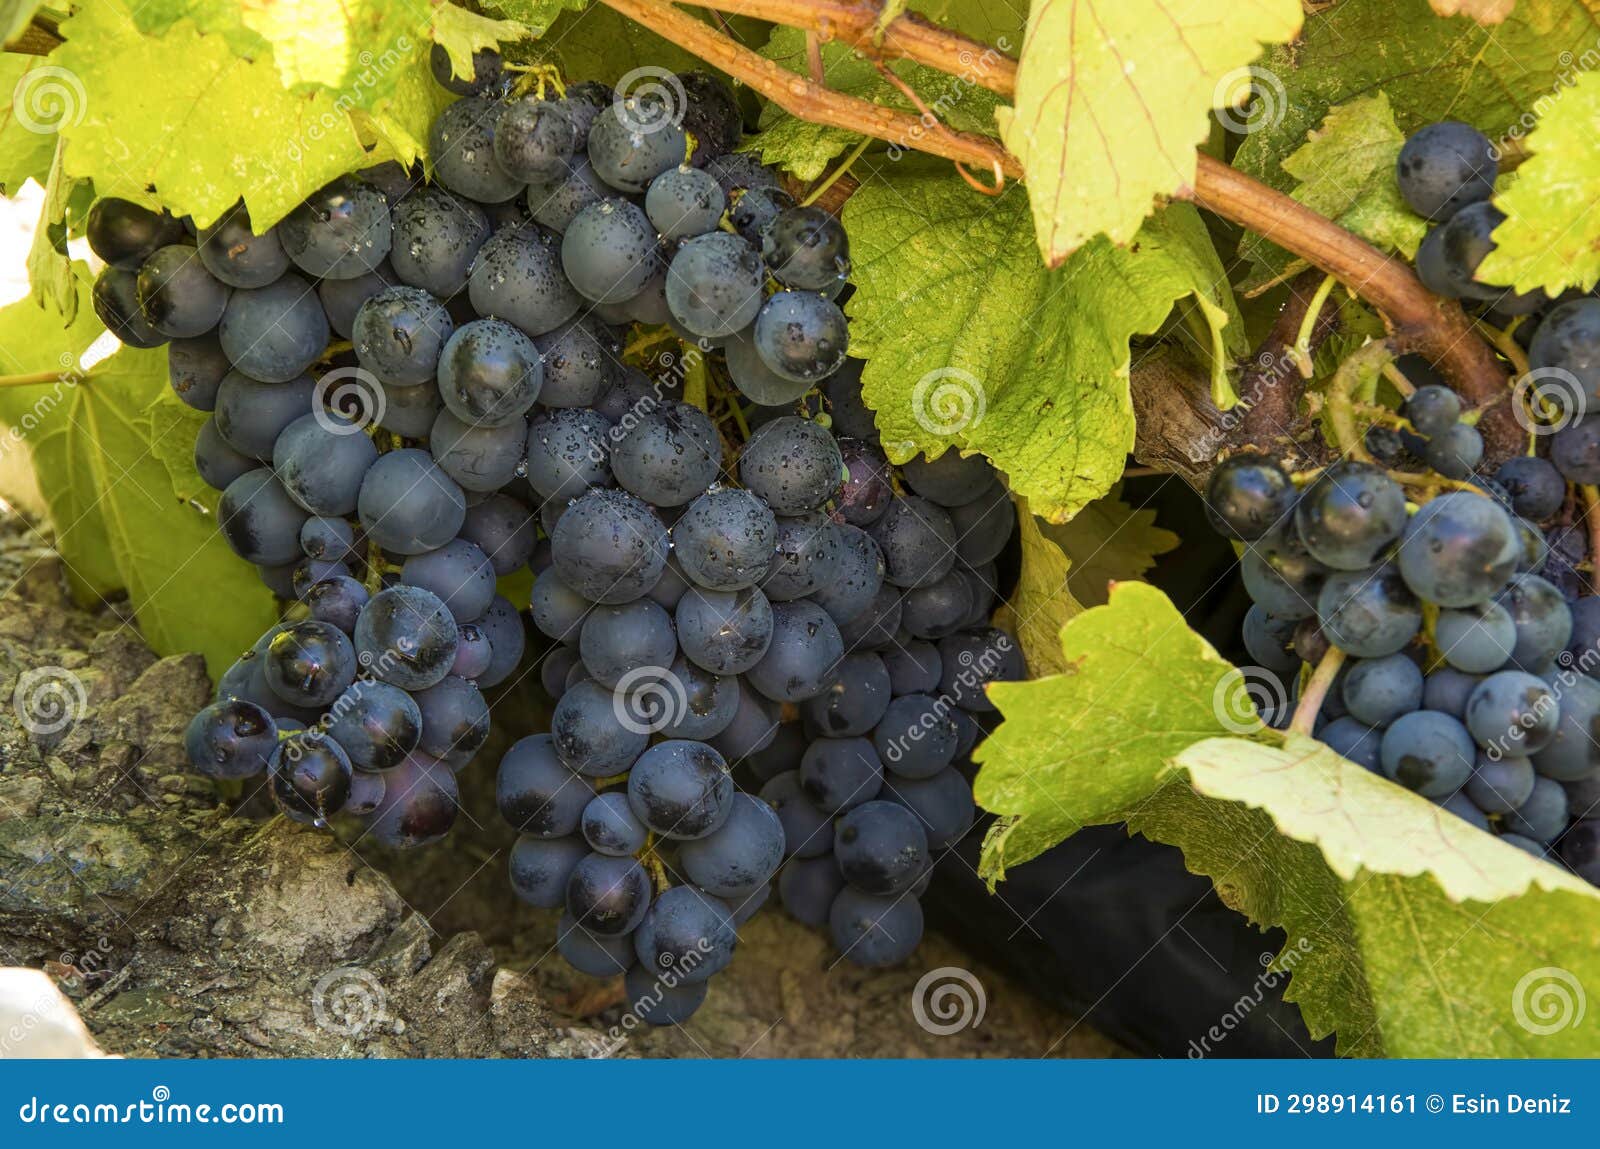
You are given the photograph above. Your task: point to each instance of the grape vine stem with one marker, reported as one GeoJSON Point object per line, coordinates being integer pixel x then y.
{"type": "Point", "coordinates": [1421, 322]}
{"type": "Point", "coordinates": [1316, 689]}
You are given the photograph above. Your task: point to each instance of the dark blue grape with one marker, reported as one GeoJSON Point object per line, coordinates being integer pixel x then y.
{"type": "Point", "coordinates": [232, 738]}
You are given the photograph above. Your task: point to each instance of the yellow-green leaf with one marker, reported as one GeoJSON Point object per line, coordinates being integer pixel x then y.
{"type": "Point", "coordinates": [1113, 99]}
{"type": "Point", "coordinates": [1109, 541]}
{"type": "Point", "coordinates": [972, 342]}
{"type": "Point", "coordinates": [1043, 602]}
{"type": "Point", "coordinates": [1550, 237]}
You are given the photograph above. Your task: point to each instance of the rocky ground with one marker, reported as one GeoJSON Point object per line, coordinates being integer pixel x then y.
{"type": "Point", "coordinates": [183, 924]}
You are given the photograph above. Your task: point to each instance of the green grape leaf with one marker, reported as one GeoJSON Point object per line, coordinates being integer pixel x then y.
{"type": "Point", "coordinates": [1411, 933]}
{"type": "Point", "coordinates": [342, 46]}
{"type": "Point", "coordinates": [805, 149]}
{"type": "Point", "coordinates": [1429, 69]}
{"type": "Point", "coordinates": [535, 15]}
{"type": "Point", "coordinates": [214, 128]}
{"type": "Point", "coordinates": [461, 33]}
{"type": "Point", "coordinates": [972, 342]}
{"type": "Point", "coordinates": [999, 24]}
{"type": "Point", "coordinates": [1109, 541]}
{"type": "Point", "coordinates": [1549, 238]}
{"type": "Point", "coordinates": [28, 120]}
{"type": "Point", "coordinates": [118, 524]}
{"type": "Point", "coordinates": [1346, 173]}
{"type": "Point", "coordinates": [1113, 100]}
{"type": "Point", "coordinates": [49, 266]}
{"type": "Point", "coordinates": [1043, 602]}
{"type": "Point", "coordinates": [1086, 745]}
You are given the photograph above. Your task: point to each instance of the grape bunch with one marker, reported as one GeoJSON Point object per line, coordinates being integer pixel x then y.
{"type": "Point", "coordinates": [1468, 674]}
{"type": "Point", "coordinates": [767, 647]}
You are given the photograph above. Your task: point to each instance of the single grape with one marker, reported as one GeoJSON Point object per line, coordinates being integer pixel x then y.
{"type": "Point", "coordinates": [503, 626]}
{"type": "Point", "coordinates": [1500, 785]}
{"type": "Point", "coordinates": [858, 576]}
{"type": "Point", "coordinates": [461, 143]}
{"type": "Point", "coordinates": [725, 540]}
{"type": "Point", "coordinates": [517, 277]}
{"type": "Point", "coordinates": [1428, 752]}
{"type": "Point", "coordinates": [1350, 515]}
{"type": "Point", "coordinates": [557, 202]}
{"type": "Point", "coordinates": [1445, 166]}
{"type": "Point", "coordinates": [854, 702]}
{"type": "Point", "coordinates": [177, 296]}
{"type": "Point", "coordinates": [807, 249]}
{"type": "Point", "coordinates": [800, 336]}
{"type": "Point", "coordinates": [1458, 550]}
{"type": "Point", "coordinates": [669, 456]}
{"type": "Point", "coordinates": [237, 256]}
{"type": "Point", "coordinates": [1433, 409]}
{"type": "Point", "coordinates": [1537, 488]}
{"type": "Point", "coordinates": [459, 573]}
{"type": "Point", "coordinates": [503, 529]}
{"type": "Point", "coordinates": [808, 886]}
{"type": "Point", "coordinates": [274, 333]}
{"type": "Point", "coordinates": [1512, 713]}
{"type": "Point", "coordinates": [807, 828]}
{"type": "Point", "coordinates": [489, 373]}
{"type": "Point", "coordinates": [484, 73]}
{"type": "Point", "coordinates": [715, 286]}
{"type": "Point", "coordinates": [232, 738]}
{"type": "Point", "coordinates": [610, 547]}
{"type": "Point", "coordinates": [311, 777]}
{"type": "Point", "coordinates": [436, 237]}
{"type": "Point", "coordinates": [1456, 452]}
{"type": "Point", "coordinates": [684, 202]}
{"type": "Point", "coordinates": [876, 627]}
{"type": "Point", "coordinates": [974, 659]}
{"type": "Point", "coordinates": [681, 789]}
{"type": "Point", "coordinates": [341, 299]}
{"type": "Point", "coordinates": [1281, 576]}
{"type": "Point", "coordinates": [609, 251]}
{"type": "Point", "coordinates": [914, 668]}
{"type": "Point", "coordinates": [406, 637]}
{"type": "Point", "coordinates": [589, 735]}
{"type": "Point", "coordinates": [1476, 639]}
{"type": "Point", "coordinates": [579, 358]}
{"type": "Point", "coordinates": [420, 802]}
{"type": "Point", "coordinates": [337, 600]}
{"type": "Point", "coordinates": [1447, 690]}
{"type": "Point", "coordinates": [617, 640]}
{"type": "Point", "coordinates": [800, 660]}
{"type": "Point", "coordinates": [597, 955]}
{"type": "Point", "coordinates": [217, 463]}
{"type": "Point", "coordinates": [479, 458]}
{"type": "Point", "coordinates": [309, 663]}
{"type": "Point", "coordinates": [399, 334]}
{"type": "Point", "coordinates": [534, 140]}
{"type": "Point", "coordinates": [558, 611]}
{"type": "Point", "coordinates": [125, 234]}
{"type": "Point", "coordinates": [259, 519]}
{"type": "Point", "coordinates": [541, 868]}
{"type": "Point", "coordinates": [116, 304]}
{"type": "Point", "coordinates": [1543, 816]}
{"type": "Point", "coordinates": [1541, 618]}
{"type": "Point", "coordinates": [408, 505]}
{"type": "Point", "coordinates": [321, 459]}
{"type": "Point", "coordinates": [1354, 741]}
{"type": "Point", "coordinates": [874, 931]}
{"type": "Point", "coordinates": [635, 139]}
{"type": "Point", "coordinates": [688, 934]}
{"type": "Point", "coordinates": [757, 205]}
{"type": "Point", "coordinates": [725, 632]}
{"type": "Point", "coordinates": [740, 855]}
{"type": "Point", "coordinates": [195, 368]}
{"type": "Point", "coordinates": [1573, 753]}
{"type": "Point", "coordinates": [1379, 690]}
{"type": "Point", "coordinates": [610, 827]}
{"type": "Point", "coordinates": [341, 230]}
